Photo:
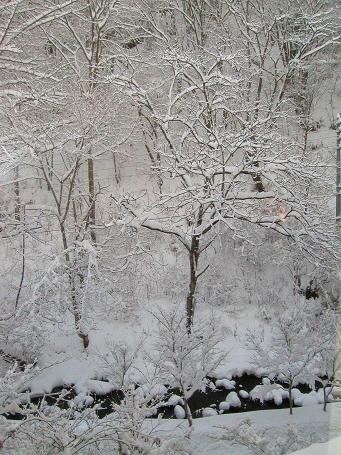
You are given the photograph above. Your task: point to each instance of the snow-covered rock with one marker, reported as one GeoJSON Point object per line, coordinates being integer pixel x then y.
{"type": "Point", "coordinates": [297, 397]}
{"type": "Point", "coordinates": [336, 392]}
{"type": "Point", "coordinates": [243, 394]}
{"type": "Point", "coordinates": [209, 412]}
{"type": "Point", "coordinates": [157, 390]}
{"type": "Point", "coordinates": [226, 384]}
{"type": "Point", "coordinates": [82, 401]}
{"type": "Point", "coordinates": [179, 412]}
{"type": "Point", "coordinates": [277, 395]}
{"type": "Point", "coordinates": [306, 399]}
{"type": "Point", "coordinates": [174, 400]}
{"type": "Point", "coordinates": [268, 392]}
{"type": "Point", "coordinates": [320, 395]}
{"type": "Point", "coordinates": [233, 400]}
{"type": "Point", "coordinates": [295, 393]}
{"type": "Point", "coordinates": [94, 386]}
{"type": "Point", "coordinates": [224, 406]}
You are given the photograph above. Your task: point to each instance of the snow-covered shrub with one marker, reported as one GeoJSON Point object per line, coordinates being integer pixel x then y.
{"type": "Point", "coordinates": [266, 441]}
{"type": "Point", "coordinates": [185, 359]}
{"type": "Point", "coordinates": [131, 413]}
{"type": "Point", "coordinates": [25, 335]}
{"type": "Point", "coordinates": [13, 389]}
{"type": "Point", "coordinates": [291, 352]}
{"type": "Point", "coordinates": [118, 362]}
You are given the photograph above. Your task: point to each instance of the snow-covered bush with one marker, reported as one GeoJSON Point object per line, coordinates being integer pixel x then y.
{"type": "Point", "coordinates": [291, 352]}
{"type": "Point", "coordinates": [14, 387]}
{"type": "Point", "coordinates": [266, 441]}
{"type": "Point", "coordinates": [118, 362]}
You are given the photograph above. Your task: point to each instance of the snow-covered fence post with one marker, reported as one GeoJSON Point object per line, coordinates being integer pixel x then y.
{"type": "Point", "coordinates": [338, 176]}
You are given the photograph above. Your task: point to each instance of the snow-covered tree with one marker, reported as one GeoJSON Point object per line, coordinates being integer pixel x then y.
{"type": "Point", "coordinates": [223, 121]}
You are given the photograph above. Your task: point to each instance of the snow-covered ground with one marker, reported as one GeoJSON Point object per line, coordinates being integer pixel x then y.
{"type": "Point", "coordinates": [306, 426]}
{"type": "Point", "coordinates": [332, 447]}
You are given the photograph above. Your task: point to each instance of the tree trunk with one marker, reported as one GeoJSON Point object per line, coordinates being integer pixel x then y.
{"type": "Point", "coordinates": [17, 216]}
{"type": "Point", "coordinates": [188, 412]}
{"type": "Point", "coordinates": [92, 209]}
{"type": "Point", "coordinates": [17, 202]}
{"type": "Point", "coordinates": [325, 399]}
{"type": "Point", "coordinates": [116, 170]}
{"type": "Point", "coordinates": [290, 398]}
{"type": "Point", "coordinates": [193, 260]}
{"type": "Point", "coordinates": [75, 308]}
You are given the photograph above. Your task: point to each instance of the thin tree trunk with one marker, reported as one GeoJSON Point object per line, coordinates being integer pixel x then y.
{"type": "Point", "coordinates": [92, 210]}
{"type": "Point", "coordinates": [23, 248]}
{"type": "Point", "coordinates": [325, 399]}
{"type": "Point", "coordinates": [188, 411]}
{"type": "Point", "coordinates": [17, 201]}
{"type": "Point", "coordinates": [116, 170]}
{"type": "Point", "coordinates": [326, 396]}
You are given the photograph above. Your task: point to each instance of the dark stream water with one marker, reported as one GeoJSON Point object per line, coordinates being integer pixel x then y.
{"type": "Point", "coordinates": [61, 397]}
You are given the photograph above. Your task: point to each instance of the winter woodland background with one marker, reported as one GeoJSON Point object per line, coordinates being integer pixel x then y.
{"type": "Point", "coordinates": [167, 223]}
